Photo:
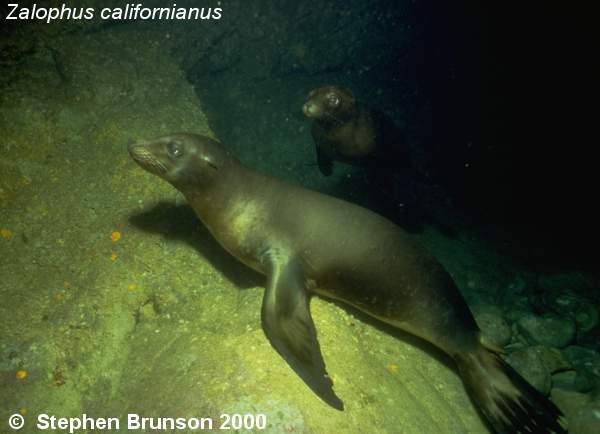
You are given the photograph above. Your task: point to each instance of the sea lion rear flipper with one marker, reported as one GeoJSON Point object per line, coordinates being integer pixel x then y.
{"type": "Point", "coordinates": [289, 327]}
{"type": "Point", "coordinates": [509, 403]}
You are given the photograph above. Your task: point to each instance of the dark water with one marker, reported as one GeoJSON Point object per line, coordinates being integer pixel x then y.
{"type": "Point", "coordinates": [480, 92]}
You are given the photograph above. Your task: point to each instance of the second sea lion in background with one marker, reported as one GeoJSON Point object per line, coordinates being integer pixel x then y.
{"type": "Point", "coordinates": [345, 131]}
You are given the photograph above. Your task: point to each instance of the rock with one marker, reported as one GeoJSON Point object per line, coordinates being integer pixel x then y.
{"type": "Point", "coordinates": [584, 359]}
{"type": "Point", "coordinates": [587, 317]}
{"type": "Point", "coordinates": [517, 340]}
{"type": "Point", "coordinates": [583, 311]}
{"type": "Point", "coordinates": [147, 312]}
{"type": "Point", "coordinates": [553, 331]}
{"type": "Point", "coordinates": [528, 363]}
{"type": "Point", "coordinates": [590, 338]}
{"type": "Point", "coordinates": [554, 360]}
{"type": "Point", "coordinates": [563, 303]}
{"type": "Point", "coordinates": [571, 380]}
{"type": "Point", "coordinates": [493, 325]}
{"type": "Point", "coordinates": [586, 420]}
{"type": "Point", "coordinates": [569, 402]}
{"type": "Point", "coordinates": [519, 285]}
{"type": "Point", "coordinates": [514, 294]}
{"type": "Point", "coordinates": [515, 346]}
{"type": "Point", "coordinates": [482, 308]}
{"type": "Point", "coordinates": [280, 416]}
{"type": "Point", "coordinates": [515, 314]}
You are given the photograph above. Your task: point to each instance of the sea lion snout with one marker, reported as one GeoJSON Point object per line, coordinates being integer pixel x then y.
{"type": "Point", "coordinates": [329, 103]}
{"type": "Point", "coordinates": [143, 156]}
{"type": "Point", "coordinates": [311, 110]}
{"type": "Point", "coordinates": [135, 148]}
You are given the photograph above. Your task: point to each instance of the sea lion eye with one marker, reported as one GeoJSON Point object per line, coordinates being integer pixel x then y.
{"type": "Point", "coordinates": [175, 149]}
{"type": "Point", "coordinates": [333, 100]}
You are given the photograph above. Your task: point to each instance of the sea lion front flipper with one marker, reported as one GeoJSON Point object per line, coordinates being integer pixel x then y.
{"type": "Point", "coordinates": [325, 162]}
{"type": "Point", "coordinates": [323, 150]}
{"type": "Point", "coordinates": [289, 327]}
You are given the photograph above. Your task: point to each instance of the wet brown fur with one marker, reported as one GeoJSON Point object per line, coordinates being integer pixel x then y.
{"type": "Point", "coordinates": [351, 133]}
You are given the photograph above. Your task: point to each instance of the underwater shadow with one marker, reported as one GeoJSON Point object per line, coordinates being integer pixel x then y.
{"type": "Point", "coordinates": [431, 350]}
{"type": "Point", "coordinates": [361, 189]}
{"type": "Point", "coordinates": [406, 199]}
{"type": "Point", "coordinates": [179, 222]}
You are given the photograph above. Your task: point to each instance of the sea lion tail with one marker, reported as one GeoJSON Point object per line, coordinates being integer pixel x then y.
{"type": "Point", "coordinates": [509, 403]}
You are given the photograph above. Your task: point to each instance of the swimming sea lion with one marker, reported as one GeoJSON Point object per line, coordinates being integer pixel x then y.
{"type": "Point", "coordinates": [345, 131]}
{"type": "Point", "coordinates": [307, 242]}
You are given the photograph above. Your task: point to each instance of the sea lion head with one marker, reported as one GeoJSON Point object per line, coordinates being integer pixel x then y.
{"type": "Point", "coordinates": [185, 160]}
{"type": "Point", "coordinates": [329, 103]}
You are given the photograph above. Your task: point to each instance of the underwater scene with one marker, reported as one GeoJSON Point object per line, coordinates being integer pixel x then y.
{"type": "Point", "coordinates": [359, 216]}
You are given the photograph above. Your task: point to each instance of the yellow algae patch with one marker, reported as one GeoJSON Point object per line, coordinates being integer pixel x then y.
{"type": "Point", "coordinates": [392, 367]}
{"type": "Point", "coordinates": [21, 374]}
{"type": "Point", "coordinates": [5, 194]}
{"type": "Point", "coordinates": [6, 233]}
{"type": "Point", "coordinates": [115, 236]}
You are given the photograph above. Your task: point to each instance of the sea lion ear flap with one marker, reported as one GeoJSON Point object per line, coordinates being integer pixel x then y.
{"type": "Point", "coordinates": [289, 327]}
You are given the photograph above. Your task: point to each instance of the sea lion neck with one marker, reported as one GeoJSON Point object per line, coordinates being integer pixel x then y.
{"type": "Point", "coordinates": [339, 117]}
{"type": "Point", "coordinates": [228, 186]}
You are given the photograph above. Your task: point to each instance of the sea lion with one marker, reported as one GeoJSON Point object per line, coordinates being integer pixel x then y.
{"type": "Point", "coordinates": [307, 242]}
{"type": "Point", "coordinates": [346, 131]}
